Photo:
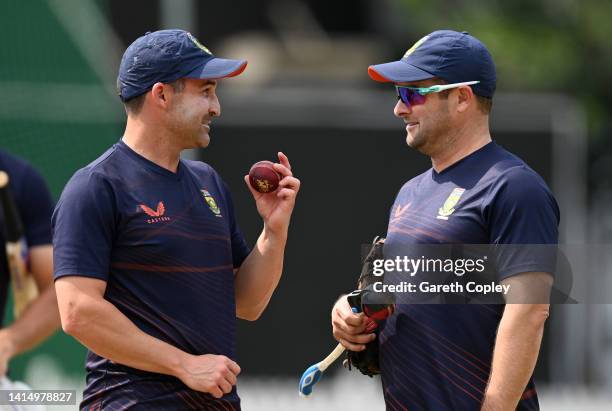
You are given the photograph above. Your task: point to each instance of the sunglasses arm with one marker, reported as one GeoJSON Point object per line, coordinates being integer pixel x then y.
{"type": "Point", "coordinates": [442, 87]}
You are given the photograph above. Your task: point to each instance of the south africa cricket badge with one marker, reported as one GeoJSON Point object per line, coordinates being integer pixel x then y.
{"type": "Point", "coordinates": [212, 204]}
{"type": "Point", "coordinates": [449, 205]}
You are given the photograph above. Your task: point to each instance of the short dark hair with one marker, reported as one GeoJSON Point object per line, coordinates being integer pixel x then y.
{"type": "Point", "coordinates": [134, 105]}
{"type": "Point", "coordinates": [485, 104]}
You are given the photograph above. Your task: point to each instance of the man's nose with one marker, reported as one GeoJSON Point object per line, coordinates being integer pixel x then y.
{"type": "Point", "coordinates": [401, 109]}
{"type": "Point", "coordinates": [215, 107]}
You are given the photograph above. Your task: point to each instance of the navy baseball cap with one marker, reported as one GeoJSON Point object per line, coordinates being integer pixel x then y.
{"type": "Point", "coordinates": [166, 56]}
{"type": "Point", "coordinates": [450, 55]}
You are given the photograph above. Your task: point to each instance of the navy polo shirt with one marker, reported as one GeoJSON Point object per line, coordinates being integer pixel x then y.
{"type": "Point", "coordinates": [438, 357]}
{"type": "Point", "coordinates": [166, 244]}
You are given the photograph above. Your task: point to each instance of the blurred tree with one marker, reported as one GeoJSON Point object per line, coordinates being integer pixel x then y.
{"type": "Point", "coordinates": [545, 45]}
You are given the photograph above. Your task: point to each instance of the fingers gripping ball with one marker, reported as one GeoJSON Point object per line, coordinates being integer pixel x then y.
{"type": "Point", "coordinates": [263, 177]}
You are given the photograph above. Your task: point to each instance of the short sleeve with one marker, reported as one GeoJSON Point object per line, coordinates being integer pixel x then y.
{"type": "Point", "coordinates": [84, 226]}
{"type": "Point", "coordinates": [523, 218]}
{"type": "Point", "coordinates": [240, 249]}
{"type": "Point", "coordinates": [35, 208]}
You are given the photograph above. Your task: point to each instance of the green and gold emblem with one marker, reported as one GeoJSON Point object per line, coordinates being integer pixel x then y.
{"type": "Point", "coordinates": [449, 205]}
{"type": "Point", "coordinates": [198, 44]}
{"type": "Point", "coordinates": [415, 46]}
{"type": "Point", "coordinates": [212, 204]}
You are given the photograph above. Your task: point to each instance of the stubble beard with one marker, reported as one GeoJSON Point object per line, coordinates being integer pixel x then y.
{"type": "Point", "coordinates": [432, 138]}
{"type": "Point", "coordinates": [188, 128]}
{"type": "Point", "coordinates": [421, 140]}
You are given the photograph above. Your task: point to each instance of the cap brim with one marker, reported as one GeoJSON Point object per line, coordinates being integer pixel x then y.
{"type": "Point", "coordinates": [218, 68]}
{"type": "Point", "coordinates": [397, 72]}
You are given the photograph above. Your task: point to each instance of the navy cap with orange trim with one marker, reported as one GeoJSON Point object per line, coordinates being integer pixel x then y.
{"type": "Point", "coordinates": [453, 56]}
{"type": "Point", "coordinates": [166, 56]}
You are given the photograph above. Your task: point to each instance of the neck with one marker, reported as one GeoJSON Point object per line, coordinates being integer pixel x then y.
{"type": "Point", "coordinates": [153, 143]}
{"type": "Point", "coordinates": [463, 142]}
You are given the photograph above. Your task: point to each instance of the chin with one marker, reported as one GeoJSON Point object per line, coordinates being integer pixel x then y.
{"type": "Point", "coordinates": [411, 141]}
{"type": "Point", "coordinates": [202, 142]}
{"type": "Point", "coordinates": [415, 143]}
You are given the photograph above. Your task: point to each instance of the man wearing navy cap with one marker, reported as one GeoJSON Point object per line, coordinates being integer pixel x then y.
{"type": "Point", "coordinates": [151, 267]}
{"type": "Point", "coordinates": [460, 357]}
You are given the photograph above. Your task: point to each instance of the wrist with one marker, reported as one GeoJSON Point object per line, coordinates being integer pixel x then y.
{"type": "Point", "coordinates": [176, 364]}
{"type": "Point", "coordinates": [8, 344]}
{"type": "Point", "coordinates": [275, 237]}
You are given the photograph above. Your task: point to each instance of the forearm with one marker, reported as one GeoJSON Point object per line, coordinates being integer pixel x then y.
{"type": "Point", "coordinates": [259, 274]}
{"type": "Point", "coordinates": [35, 324]}
{"type": "Point", "coordinates": [516, 351]}
{"type": "Point", "coordinates": [41, 318]}
{"type": "Point", "coordinates": [105, 330]}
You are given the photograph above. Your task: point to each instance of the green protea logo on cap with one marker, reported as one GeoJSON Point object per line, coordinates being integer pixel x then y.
{"type": "Point", "coordinates": [415, 46]}
{"type": "Point", "coordinates": [198, 44]}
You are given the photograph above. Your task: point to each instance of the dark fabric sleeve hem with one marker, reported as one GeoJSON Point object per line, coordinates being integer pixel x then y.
{"type": "Point", "coordinates": [79, 273]}
{"type": "Point", "coordinates": [40, 242]}
{"type": "Point", "coordinates": [39, 236]}
{"type": "Point", "coordinates": [527, 268]}
{"type": "Point", "coordinates": [238, 260]}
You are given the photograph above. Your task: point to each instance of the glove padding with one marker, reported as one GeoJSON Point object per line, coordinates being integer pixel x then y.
{"type": "Point", "coordinates": [366, 300]}
{"type": "Point", "coordinates": [365, 361]}
{"type": "Point", "coordinates": [367, 277]}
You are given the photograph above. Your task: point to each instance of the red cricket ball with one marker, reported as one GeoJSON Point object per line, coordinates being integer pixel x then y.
{"type": "Point", "coordinates": [263, 177]}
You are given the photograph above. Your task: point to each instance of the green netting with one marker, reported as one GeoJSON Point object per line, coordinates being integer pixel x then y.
{"type": "Point", "coordinates": [36, 48]}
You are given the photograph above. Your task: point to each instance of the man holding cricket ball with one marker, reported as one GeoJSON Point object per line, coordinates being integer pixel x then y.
{"type": "Point", "coordinates": [461, 356]}
{"type": "Point", "coordinates": [151, 267]}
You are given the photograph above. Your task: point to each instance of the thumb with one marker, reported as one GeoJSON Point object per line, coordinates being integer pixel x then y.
{"type": "Point", "coordinates": [255, 193]}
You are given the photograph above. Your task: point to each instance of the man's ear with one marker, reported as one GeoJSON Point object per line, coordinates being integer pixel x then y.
{"type": "Point", "coordinates": [465, 98]}
{"type": "Point", "coordinates": [159, 94]}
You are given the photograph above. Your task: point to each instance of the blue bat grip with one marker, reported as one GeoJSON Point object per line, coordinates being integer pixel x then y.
{"type": "Point", "coordinates": [310, 377]}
